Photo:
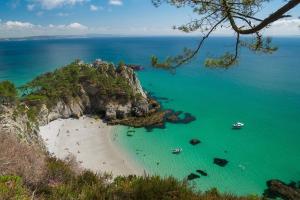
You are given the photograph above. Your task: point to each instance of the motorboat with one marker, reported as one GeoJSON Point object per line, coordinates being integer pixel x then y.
{"type": "Point", "coordinates": [177, 150]}
{"type": "Point", "coordinates": [238, 125]}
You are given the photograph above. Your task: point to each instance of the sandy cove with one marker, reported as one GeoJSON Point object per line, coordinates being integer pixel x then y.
{"type": "Point", "coordinates": [91, 142]}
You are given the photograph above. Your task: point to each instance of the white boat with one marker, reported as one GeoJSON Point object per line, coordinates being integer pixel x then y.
{"type": "Point", "coordinates": [238, 125]}
{"type": "Point", "coordinates": [177, 151]}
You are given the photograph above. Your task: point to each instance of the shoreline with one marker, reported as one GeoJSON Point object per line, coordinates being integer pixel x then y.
{"type": "Point", "coordinates": [90, 141]}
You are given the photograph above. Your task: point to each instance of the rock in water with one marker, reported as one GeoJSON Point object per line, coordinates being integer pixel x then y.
{"type": "Point", "coordinates": [194, 141]}
{"type": "Point", "coordinates": [278, 189]}
{"type": "Point", "coordinates": [221, 162]}
{"type": "Point", "coordinates": [203, 173]}
{"type": "Point", "coordinates": [192, 176]}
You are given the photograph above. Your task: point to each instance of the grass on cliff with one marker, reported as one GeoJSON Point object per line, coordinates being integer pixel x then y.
{"type": "Point", "coordinates": [63, 184]}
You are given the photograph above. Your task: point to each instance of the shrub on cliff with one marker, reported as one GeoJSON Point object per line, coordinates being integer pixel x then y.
{"type": "Point", "coordinates": [67, 82]}
{"type": "Point", "coordinates": [63, 183]}
{"type": "Point", "coordinates": [11, 187]}
{"type": "Point", "coordinates": [8, 92]}
{"type": "Point", "coordinates": [21, 159]}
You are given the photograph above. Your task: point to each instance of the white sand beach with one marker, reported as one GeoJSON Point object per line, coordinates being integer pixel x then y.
{"type": "Point", "coordinates": [91, 142]}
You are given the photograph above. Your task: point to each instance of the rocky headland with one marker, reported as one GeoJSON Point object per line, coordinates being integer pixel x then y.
{"type": "Point", "coordinates": [101, 88]}
{"type": "Point", "coordinates": [112, 92]}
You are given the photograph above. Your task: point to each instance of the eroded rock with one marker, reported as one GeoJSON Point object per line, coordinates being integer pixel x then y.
{"type": "Point", "coordinates": [278, 189]}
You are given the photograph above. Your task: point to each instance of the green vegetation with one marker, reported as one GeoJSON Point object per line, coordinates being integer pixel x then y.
{"type": "Point", "coordinates": [68, 81]}
{"type": "Point", "coordinates": [26, 173]}
{"type": "Point", "coordinates": [162, 65]}
{"type": "Point", "coordinates": [61, 182]}
{"type": "Point", "coordinates": [8, 92]}
{"type": "Point", "coordinates": [11, 188]}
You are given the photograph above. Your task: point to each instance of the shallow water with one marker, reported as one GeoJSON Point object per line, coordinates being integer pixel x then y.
{"type": "Point", "coordinates": [263, 91]}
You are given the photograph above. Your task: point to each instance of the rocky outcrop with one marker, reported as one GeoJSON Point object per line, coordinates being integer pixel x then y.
{"type": "Point", "coordinates": [91, 99]}
{"type": "Point", "coordinates": [221, 162]}
{"type": "Point", "coordinates": [278, 189]}
{"type": "Point", "coordinates": [19, 124]}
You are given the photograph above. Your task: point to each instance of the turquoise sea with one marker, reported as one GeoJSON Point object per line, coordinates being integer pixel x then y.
{"type": "Point", "coordinates": [263, 91]}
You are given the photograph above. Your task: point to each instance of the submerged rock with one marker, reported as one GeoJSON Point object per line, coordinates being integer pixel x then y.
{"type": "Point", "coordinates": [195, 141]}
{"type": "Point", "coordinates": [187, 118]}
{"type": "Point", "coordinates": [278, 189]}
{"type": "Point", "coordinates": [221, 162]}
{"type": "Point", "coordinates": [192, 176]}
{"type": "Point", "coordinates": [203, 173]}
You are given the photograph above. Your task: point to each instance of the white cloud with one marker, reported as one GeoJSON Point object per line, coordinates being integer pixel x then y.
{"type": "Point", "coordinates": [77, 26]}
{"type": "Point", "coordinates": [284, 27]}
{"type": "Point", "coordinates": [94, 8]}
{"type": "Point", "coordinates": [287, 22]}
{"type": "Point", "coordinates": [51, 4]}
{"type": "Point", "coordinates": [18, 25]}
{"type": "Point", "coordinates": [116, 2]}
{"type": "Point", "coordinates": [23, 29]}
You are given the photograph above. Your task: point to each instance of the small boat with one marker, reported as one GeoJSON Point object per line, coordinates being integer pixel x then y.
{"type": "Point", "coordinates": [238, 125]}
{"type": "Point", "coordinates": [177, 151]}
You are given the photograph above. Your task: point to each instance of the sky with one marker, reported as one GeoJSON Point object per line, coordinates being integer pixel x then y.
{"type": "Point", "coordinates": [22, 18]}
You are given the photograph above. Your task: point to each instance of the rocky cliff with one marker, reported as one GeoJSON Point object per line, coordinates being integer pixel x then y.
{"type": "Point", "coordinates": [114, 93]}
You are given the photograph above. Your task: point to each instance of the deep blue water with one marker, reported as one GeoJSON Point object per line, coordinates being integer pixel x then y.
{"type": "Point", "coordinates": [262, 90]}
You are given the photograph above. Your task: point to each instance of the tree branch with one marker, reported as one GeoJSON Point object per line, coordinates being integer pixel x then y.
{"type": "Point", "coordinates": [201, 42]}
{"type": "Point", "coordinates": [273, 17]}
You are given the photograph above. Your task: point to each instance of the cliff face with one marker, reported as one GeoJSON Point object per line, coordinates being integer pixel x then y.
{"type": "Point", "coordinates": [91, 98]}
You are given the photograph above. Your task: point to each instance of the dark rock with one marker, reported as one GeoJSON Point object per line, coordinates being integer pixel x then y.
{"type": "Point", "coordinates": [221, 162]}
{"type": "Point", "coordinates": [278, 189]}
{"type": "Point", "coordinates": [187, 118]}
{"type": "Point", "coordinates": [136, 67]}
{"type": "Point", "coordinates": [192, 176]}
{"type": "Point", "coordinates": [203, 173]}
{"type": "Point", "coordinates": [158, 125]}
{"type": "Point", "coordinates": [174, 117]}
{"type": "Point", "coordinates": [194, 141]}
{"type": "Point", "coordinates": [141, 108]}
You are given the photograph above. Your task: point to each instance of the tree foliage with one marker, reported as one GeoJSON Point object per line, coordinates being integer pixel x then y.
{"type": "Point", "coordinates": [8, 92]}
{"type": "Point", "coordinates": [237, 15]}
{"type": "Point", "coordinates": [66, 82]}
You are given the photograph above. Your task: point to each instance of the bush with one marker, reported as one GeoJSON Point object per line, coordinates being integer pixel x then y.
{"type": "Point", "coordinates": [63, 183]}
{"type": "Point", "coordinates": [8, 92]}
{"type": "Point", "coordinates": [59, 171]}
{"type": "Point", "coordinates": [11, 188]}
{"type": "Point", "coordinates": [21, 159]}
{"type": "Point", "coordinates": [152, 187]}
